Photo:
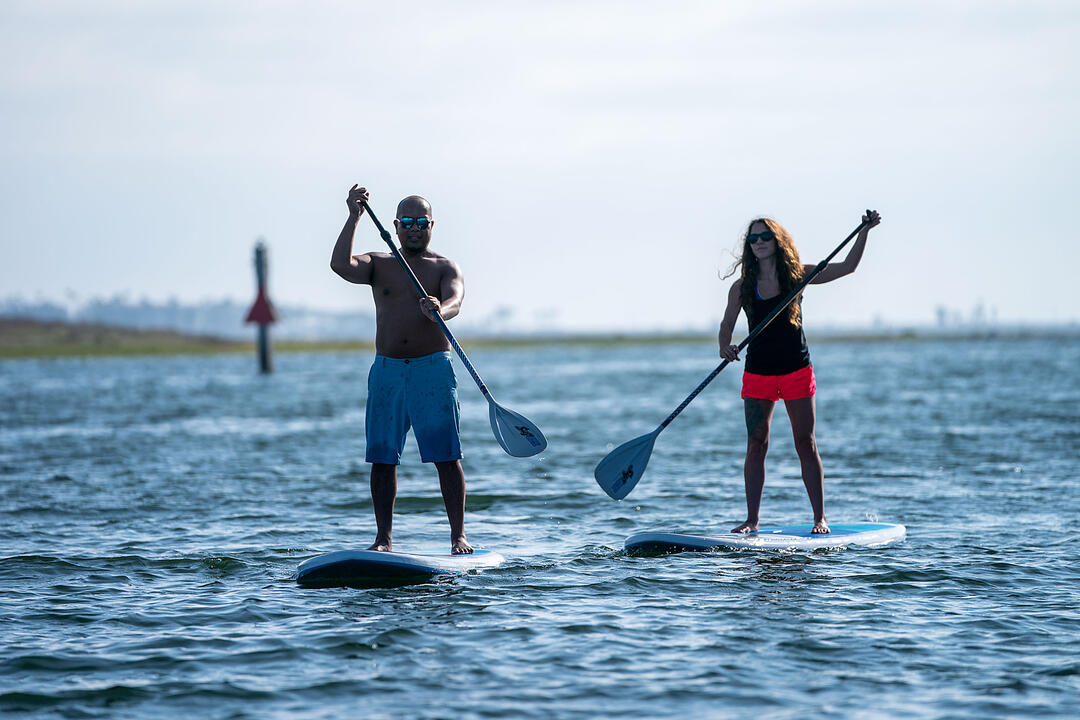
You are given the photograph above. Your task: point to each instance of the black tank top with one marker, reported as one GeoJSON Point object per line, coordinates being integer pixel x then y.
{"type": "Point", "coordinates": [780, 348]}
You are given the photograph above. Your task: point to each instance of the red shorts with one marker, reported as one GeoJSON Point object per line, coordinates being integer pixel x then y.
{"type": "Point", "coordinates": [793, 386]}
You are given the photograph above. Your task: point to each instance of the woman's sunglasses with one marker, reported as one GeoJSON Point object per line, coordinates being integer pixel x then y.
{"type": "Point", "coordinates": [408, 222]}
{"type": "Point", "coordinates": [764, 236]}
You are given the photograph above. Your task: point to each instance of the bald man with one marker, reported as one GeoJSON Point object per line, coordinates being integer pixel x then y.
{"type": "Point", "coordinates": [411, 382]}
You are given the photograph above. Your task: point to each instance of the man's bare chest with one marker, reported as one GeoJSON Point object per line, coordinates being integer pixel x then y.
{"type": "Point", "coordinates": [392, 285]}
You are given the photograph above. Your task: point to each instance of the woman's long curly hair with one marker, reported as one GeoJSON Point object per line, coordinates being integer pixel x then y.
{"type": "Point", "coordinates": [788, 266]}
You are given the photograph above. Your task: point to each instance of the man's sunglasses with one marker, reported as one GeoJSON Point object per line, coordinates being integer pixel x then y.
{"type": "Point", "coordinates": [764, 236]}
{"type": "Point", "coordinates": [408, 222]}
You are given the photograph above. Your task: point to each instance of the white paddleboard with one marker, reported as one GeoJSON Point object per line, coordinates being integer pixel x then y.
{"type": "Point", "coordinates": [361, 567]}
{"type": "Point", "coordinates": [794, 537]}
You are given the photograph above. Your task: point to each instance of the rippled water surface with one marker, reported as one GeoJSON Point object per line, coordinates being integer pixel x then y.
{"type": "Point", "coordinates": [154, 511]}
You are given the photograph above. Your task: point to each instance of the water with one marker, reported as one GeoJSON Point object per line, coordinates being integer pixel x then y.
{"type": "Point", "coordinates": [154, 510]}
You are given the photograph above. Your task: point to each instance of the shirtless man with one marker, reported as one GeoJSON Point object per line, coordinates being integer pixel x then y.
{"type": "Point", "coordinates": [412, 380]}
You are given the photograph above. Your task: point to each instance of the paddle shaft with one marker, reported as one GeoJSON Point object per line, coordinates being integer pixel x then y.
{"type": "Point", "coordinates": [423, 293]}
{"type": "Point", "coordinates": [762, 325]}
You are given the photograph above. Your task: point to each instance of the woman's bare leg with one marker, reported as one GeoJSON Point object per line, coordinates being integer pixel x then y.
{"type": "Point", "coordinates": [758, 418]}
{"type": "Point", "coordinates": [802, 414]}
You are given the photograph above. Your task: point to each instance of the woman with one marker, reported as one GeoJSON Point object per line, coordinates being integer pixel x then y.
{"type": "Point", "coordinates": [777, 361]}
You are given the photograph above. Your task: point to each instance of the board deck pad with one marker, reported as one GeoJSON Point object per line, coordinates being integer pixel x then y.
{"type": "Point", "coordinates": [365, 568]}
{"type": "Point", "coordinates": [792, 537]}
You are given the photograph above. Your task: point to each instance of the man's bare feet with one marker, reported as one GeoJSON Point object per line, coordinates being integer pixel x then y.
{"type": "Point", "coordinates": [382, 545]}
{"type": "Point", "coordinates": [820, 527]}
{"type": "Point", "coordinates": [746, 527]}
{"type": "Point", "coordinates": [460, 546]}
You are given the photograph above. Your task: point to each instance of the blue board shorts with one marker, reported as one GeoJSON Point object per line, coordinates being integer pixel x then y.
{"type": "Point", "coordinates": [418, 392]}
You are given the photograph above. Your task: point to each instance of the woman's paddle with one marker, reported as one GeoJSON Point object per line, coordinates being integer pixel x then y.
{"type": "Point", "coordinates": [620, 471]}
{"type": "Point", "coordinates": [517, 435]}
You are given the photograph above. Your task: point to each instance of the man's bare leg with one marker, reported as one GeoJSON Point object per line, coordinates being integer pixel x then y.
{"type": "Point", "coordinates": [383, 492]}
{"type": "Point", "coordinates": [802, 414]}
{"type": "Point", "coordinates": [452, 484]}
{"type": "Point", "coordinates": [758, 417]}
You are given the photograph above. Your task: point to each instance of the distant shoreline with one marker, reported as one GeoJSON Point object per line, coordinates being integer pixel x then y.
{"type": "Point", "coordinates": [23, 338]}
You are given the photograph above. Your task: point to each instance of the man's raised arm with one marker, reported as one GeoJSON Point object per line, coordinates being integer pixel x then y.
{"type": "Point", "coordinates": [354, 268]}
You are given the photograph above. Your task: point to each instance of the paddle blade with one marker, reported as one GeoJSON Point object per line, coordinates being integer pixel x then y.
{"type": "Point", "coordinates": [517, 434]}
{"type": "Point", "coordinates": [619, 472]}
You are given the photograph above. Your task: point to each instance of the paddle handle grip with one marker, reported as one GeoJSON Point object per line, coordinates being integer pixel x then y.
{"type": "Point", "coordinates": [423, 294]}
{"type": "Point", "coordinates": [765, 323]}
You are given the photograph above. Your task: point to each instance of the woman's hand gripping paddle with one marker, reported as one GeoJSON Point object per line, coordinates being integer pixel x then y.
{"type": "Point", "coordinates": [619, 472]}
{"type": "Point", "coordinates": [517, 435]}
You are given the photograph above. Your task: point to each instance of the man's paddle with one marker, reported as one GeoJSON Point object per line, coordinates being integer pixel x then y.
{"type": "Point", "coordinates": [620, 471]}
{"type": "Point", "coordinates": [517, 435]}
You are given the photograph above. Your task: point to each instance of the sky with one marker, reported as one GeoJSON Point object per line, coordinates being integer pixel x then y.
{"type": "Point", "coordinates": [591, 165]}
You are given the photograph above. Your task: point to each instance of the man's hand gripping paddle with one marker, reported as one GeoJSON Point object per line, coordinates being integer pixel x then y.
{"type": "Point", "coordinates": [517, 435]}
{"type": "Point", "coordinates": [619, 472]}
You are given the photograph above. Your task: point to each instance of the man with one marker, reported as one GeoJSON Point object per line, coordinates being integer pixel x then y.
{"type": "Point", "coordinates": [412, 380]}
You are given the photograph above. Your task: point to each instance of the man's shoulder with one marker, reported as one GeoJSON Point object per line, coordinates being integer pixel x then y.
{"type": "Point", "coordinates": [442, 261]}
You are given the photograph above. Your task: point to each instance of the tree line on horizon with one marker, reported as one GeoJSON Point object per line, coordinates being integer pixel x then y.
{"type": "Point", "coordinates": [218, 318]}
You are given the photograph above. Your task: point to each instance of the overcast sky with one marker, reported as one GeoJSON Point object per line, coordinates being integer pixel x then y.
{"type": "Point", "coordinates": [589, 164]}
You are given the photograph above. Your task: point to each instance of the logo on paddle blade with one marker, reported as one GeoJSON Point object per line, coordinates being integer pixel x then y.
{"type": "Point", "coordinates": [627, 475]}
{"type": "Point", "coordinates": [527, 434]}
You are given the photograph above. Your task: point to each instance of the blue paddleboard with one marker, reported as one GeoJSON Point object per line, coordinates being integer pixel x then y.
{"type": "Point", "coordinates": [369, 567]}
{"type": "Point", "coordinates": [793, 537]}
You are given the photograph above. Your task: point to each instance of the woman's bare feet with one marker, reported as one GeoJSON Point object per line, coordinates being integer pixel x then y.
{"type": "Point", "coordinates": [460, 546]}
{"type": "Point", "coordinates": [747, 527]}
{"type": "Point", "coordinates": [820, 527]}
